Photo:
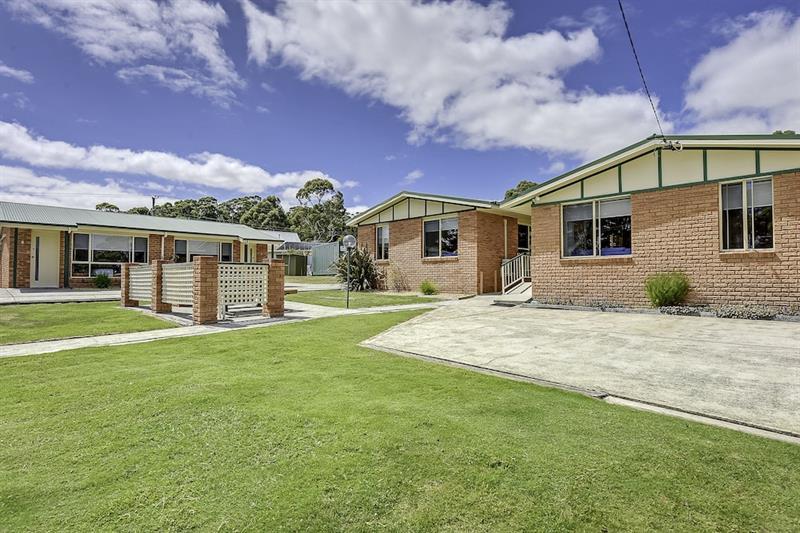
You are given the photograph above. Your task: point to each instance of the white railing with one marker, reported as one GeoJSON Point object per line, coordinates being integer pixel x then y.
{"type": "Point", "coordinates": [515, 271]}
{"type": "Point", "coordinates": [176, 283]}
{"type": "Point", "coordinates": [242, 283]}
{"type": "Point", "coordinates": [141, 282]}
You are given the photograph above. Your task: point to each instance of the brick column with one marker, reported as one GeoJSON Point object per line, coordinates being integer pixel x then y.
{"type": "Point", "coordinates": [156, 288]}
{"type": "Point", "coordinates": [205, 290]}
{"type": "Point", "coordinates": [275, 289]}
{"type": "Point", "coordinates": [125, 287]}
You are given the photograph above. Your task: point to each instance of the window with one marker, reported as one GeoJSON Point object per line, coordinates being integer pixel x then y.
{"type": "Point", "coordinates": [523, 238]}
{"type": "Point", "coordinates": [747, 214]}
{"type": "Point", "coordinates": [94, 254]}
{"type": "Point", "coordinates": [382, 242]}
{"type": "Point", "coordinates": [597, 228]}
{"type": "Point", "coordinates": [440, 237]}
{"type": "Point", "coordinates": [226, 252]}
{"type": "Point", "coordinates": [180, 251]}
{"type": "Point", "coordinates": [203, 248]}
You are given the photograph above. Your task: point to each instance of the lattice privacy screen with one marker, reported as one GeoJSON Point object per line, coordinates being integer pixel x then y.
{"type": "Point", "coordinates": [242, 283]}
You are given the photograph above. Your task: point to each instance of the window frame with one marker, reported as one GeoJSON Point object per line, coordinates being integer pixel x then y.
{"type": "Point", "coordinates": [378, 247]}
{"type": "Point", "coordinates": [439, 218]}
{"type": "Point", "coordinates": [596, 237]}
{"type": "Point", "coordinates": [746, 248]}
{"type": "Point", "coordinates": [90, 262]}
{"type": "Point", "coordinates": [530, 241]}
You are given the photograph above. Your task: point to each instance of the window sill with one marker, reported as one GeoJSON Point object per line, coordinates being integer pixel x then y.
{"type": "Point", "coordinates": [749, 251]}
{"type": "Point", "coordinates": [439, 259]}
{"type": "Point", "coordinates": [381, 261]}
{"type": "Point", "coordinates": [598, 260]}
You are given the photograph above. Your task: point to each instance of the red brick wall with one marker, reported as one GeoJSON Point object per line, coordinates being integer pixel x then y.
{"type": "Point", "coordinates": [153, 247]}
{"type": "Point", "coordinates": [480, 249]}
{"type": "Point", "coordinates": [262, 253]}
{"type": "Point", "coordinates": [23, 258]}
{"type": "Point", "coordinates": [61, 236]}
{"type": "Point", "coordinates": [237, 251]}
{"type": "Point", "coordinates": [676, 230]}
{"type": "Point", "coordinates": [6, 251]}
{"type": "Point", "coordinates": [169, 248]}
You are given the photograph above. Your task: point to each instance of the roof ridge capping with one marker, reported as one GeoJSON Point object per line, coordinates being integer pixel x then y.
{"type": "Point", "coordinates": [523, 197]}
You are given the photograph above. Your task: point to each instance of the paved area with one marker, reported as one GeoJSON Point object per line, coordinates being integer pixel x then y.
{"type": "Point", "coordinates": [44, 296]}
{"type": "Point", "coordinates": [295, 311]}
{"type": "Point", "coordinates": [747, 371]}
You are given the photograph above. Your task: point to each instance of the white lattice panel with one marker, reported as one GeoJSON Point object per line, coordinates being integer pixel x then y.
{"type": "Point", "coordinates": [176, 283]}
{"type": "Point", "coordinates": [141, 282]}
{"type": "Point", "coordinates": [242, 283]}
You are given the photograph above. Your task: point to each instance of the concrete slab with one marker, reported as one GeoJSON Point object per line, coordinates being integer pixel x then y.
{"type": "Point", "coordinates": [737, 370]}
{"type": "Point", "coordinates": [46, 296]}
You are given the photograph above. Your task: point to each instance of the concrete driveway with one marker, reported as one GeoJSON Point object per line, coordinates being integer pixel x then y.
{"type": "Point", "coordinates": [742, 370]}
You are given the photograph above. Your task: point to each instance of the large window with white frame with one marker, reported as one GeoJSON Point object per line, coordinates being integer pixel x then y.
{"type": "Point", "coordinates": [597, 228]}
{"type": "Point", "coordinates": [187, 250]}
{"type": "Point", "coordinates": [382, 242]}
{"type": "Point", "coordinates": [747, 214]}
{"type": "Point", "coordinates": [440, 237]}
{"type": "Point", "coordinates": [94, 253]}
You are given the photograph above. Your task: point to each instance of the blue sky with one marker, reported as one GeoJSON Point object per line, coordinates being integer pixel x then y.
{"type": "Point", "coordinates": [185, 98]}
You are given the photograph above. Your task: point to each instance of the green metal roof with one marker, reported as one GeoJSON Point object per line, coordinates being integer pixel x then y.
{"type": "Point", "coordinates": [47, 215]}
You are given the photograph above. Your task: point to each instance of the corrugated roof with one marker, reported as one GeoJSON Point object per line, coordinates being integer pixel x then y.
{"type": "Point", "coordinates": [16, 213]}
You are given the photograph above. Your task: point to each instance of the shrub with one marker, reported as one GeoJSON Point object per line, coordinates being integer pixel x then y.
{"type": "Point", "coordinates": [668, 288]}
{"type": "Point", "coordinates": [102, 281]}
{"type": "Point", "coordinates": [364, 275]}
{"type": "Point", "coordinates": [428, 288]}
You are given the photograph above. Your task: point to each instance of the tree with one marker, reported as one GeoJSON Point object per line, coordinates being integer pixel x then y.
{"type": "Point", "coordinates": [138, 211]}
{"type": "Point", "coordinates": [233, 209]}
{"type": "Point", "coordinates": [164, 210]}
{"type": "Point", "coordinates": [266, 214]}
{"type": "Point", "coordinates": [521, 187]}
{"type": "Point", "coordinates": [321, 215]}
{"type": "Point", "coordinates": [206, 208]}
{"type": "Point", "coordinates": [105, 206]}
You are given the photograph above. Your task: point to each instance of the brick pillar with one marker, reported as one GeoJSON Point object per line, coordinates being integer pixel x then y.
{"type": "Point", "coordinates": [205, 290]}
{"type": "Point", "coordinates": [125, 287]}
{"type": "Point", "coordinates": [275, 289]}
{"type": "Point", "coordinates": [156, 288]}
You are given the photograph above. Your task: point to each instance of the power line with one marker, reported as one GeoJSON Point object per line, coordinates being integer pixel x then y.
{"type": "Point", "coordinates": [641, 72]}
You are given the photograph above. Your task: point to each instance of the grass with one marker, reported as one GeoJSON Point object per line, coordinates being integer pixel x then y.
{"type": "Point", "coordinates": [295, 427]}
{"type": "Point", "coordinates": [336, 298]}
{"type": "Point", "coordinates": [313, 280]}
{"type": "Point", "coordinates": [37, 322]}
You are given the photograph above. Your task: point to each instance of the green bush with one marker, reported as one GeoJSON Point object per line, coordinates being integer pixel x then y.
{"type": "Point", "coordinates": [364, 275]}
{"type": "Point", "coordinates": [668, 288]}
{"type": "Point", "coordinates": [428, 288]}
{"type": "Point", "coordinates": [102, 281]}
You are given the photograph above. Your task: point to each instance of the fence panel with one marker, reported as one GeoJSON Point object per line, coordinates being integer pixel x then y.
{"type": "Point", "coordinates": [141, 282]}
{"type": "Point", "coordinates": [177, 283]}
{"type": "Point", "coordinates": [323, 257]}
{"type": "Point", "coordinates": [242, 283]}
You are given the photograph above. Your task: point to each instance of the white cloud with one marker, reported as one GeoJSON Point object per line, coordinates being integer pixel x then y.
{"type": "Point", "coordinates": [18, 74]}
{"type": "Point", "coordinates": [356, 209]}
{"type": "Point", "coordinates": [453, 73]}
{"type": "Point", "coordinates": [17, 99]}
{"type": "Point", "coordinates": [750, 84]}
{"type": "Point", "coordinates": [26, 186]}
{"type": "Point", "coordinates": [205, 169]}
{"type": "Point", "coordinates": [142, 33]}
{"type": "Point", "coordinates": [412, 177]}
{"type": "Point", "coordinates": [554, 168]}
{"type": "Point", "coordinates": [596, 17]}
{"type": "Point", "coordinates": [261, 109]}
{"type": "Point", "coordinates": [180, 80]}
{"type": "Point", "coordinates": [349, 184]}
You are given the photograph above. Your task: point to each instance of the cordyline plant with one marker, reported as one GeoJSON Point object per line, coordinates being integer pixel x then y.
{"type": "Point", "coordinates": [364, 275]}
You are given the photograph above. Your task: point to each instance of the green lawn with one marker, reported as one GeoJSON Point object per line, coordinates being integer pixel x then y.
{"type": "Point", "coordinates": [295, 427]}
{"type": "Point", "coordinates": [313, 280]}
{"type": "Point", "coordinates": [336, 298]}
{"type": "Point", "coordinates": [37, 322]}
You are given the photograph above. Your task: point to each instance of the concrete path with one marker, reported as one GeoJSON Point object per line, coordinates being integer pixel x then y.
{"type": "Point", "coordinates": [746, 371]}
{"type": "Point", "coordinates": [295, 311]}
{"type": "Point", "coordinates": [46, 296]}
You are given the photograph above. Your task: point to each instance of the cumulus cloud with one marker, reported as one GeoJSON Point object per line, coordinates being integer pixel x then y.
{"type": "Point", "coordinates": [453, 73]}
{"type": "Point", "coordinates": [203, 169]}
{"type": "Point", "coordinates": [147, 36]}
{"type": "Point", "coordinates": [26, 186]}
{"type": "Point", "coordinates": [18, 74]}
{"type": "Point", "coordinates": [734, 88]}
{"type": "Point", "coordinates": [412, 177]}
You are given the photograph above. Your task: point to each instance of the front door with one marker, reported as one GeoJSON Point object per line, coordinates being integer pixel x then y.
{"type": "Point", "coordinates": [44, 258]}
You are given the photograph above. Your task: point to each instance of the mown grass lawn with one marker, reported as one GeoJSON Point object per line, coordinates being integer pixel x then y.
{"type": "Point", "coordinates": [336, 298]}
{"type": "Point", "coordinates": [314, 280]}
{"type": "Point", "coordinates": [295, 427]}
{"type": "Point", "coordinates": [37, 322]}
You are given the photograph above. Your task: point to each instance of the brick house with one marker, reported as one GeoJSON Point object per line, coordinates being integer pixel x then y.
{"type": "Point", "coordinates": [725, 210]}
{"type": "Point", "coordinates": [47, 246]}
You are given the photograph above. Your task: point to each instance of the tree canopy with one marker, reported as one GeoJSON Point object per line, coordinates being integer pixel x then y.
{"type": "Point", "coordinates": [520, 188]}
{"type": "Point", "coordinates": [105, 206]}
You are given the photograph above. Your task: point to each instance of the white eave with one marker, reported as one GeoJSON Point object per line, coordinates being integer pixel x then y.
{"type": "Point", "coordinates": [399, 197]}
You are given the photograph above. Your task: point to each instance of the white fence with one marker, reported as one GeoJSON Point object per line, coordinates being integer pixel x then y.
{"type": "Point", "coordinates": [141, 282]}
{"type": "Point", "coordinates": [242, 283]}
{"type": "Point", "coordinates": [176, 283]}
{"type": "Point", "coordinates": [515, 271]}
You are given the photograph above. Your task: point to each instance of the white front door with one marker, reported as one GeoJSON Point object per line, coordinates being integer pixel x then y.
{"type": "Point", "coordinates": [44, 258]}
